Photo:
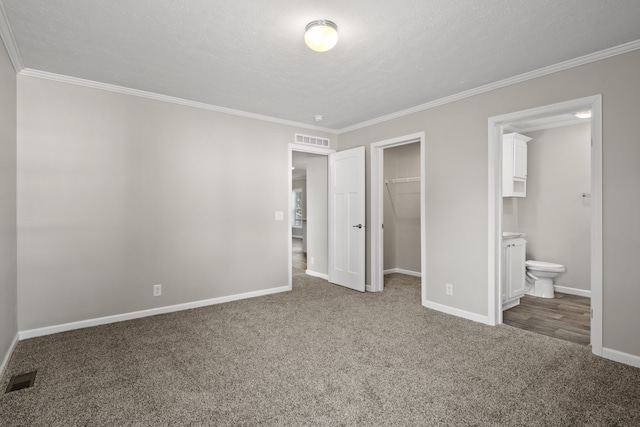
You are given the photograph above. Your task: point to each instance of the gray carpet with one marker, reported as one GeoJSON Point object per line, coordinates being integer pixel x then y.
{"type": "Point", "coordinates": [319, 355]}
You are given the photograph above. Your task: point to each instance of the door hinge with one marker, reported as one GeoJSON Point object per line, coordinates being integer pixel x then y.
{"type": "Point", "coordinates": [382, 225]}
{"type": "Point", "coordinates": [592, 313]}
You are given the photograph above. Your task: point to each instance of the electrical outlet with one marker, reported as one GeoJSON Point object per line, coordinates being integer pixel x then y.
{"type": "Point", "coordinates": [312, 260]}
{"type": "Point", "coordinates": [449, 288]}
{"type": "Point", "coordinates": [157, 290]}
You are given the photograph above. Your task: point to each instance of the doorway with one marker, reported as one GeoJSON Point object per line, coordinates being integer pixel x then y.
{"type": "Point", "coordinates": [309, 160]}
{"type": "Point", "coordinates": [553, 216]}
{"type": "Point", "coordinates": [378, 190]}
{"type": "Point", "coordinates": [497, 126]}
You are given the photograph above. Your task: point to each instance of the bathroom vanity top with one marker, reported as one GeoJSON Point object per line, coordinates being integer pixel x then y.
{"type": "Point", "coordinates": [512, 235]}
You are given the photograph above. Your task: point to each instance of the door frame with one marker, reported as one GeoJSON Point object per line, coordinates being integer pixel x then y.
{"type": "Point", "coordinates": [495, 126]}
{"type": "Point", "coordinates": [303, 149]}
{"type": "Point", "coordinates": [377, 209]}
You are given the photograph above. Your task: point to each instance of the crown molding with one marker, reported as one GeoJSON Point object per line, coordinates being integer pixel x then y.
{"type": "Point", "coordinates": [576, 62]}
{"type": "Point", "coordinates": [5, 31]}
{"type": "Point", "coordinates": [9, 41]}
{"type": "Point", "coordinates": [164, 98]}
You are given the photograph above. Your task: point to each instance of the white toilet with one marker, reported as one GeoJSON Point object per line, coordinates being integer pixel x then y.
{"type": "Point", "coordinates": [540, 277]}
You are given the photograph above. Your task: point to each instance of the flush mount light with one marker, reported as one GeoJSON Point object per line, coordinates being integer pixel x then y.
{"type": "Point", "coordinates": [583, 114]}
{"type": "Point", "coordinates": [321, 35]}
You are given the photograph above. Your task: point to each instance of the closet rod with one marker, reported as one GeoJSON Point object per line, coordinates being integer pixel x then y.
{"type": "Point", "coordinates": [400, 180]}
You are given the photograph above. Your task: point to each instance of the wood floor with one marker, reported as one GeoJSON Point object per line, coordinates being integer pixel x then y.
{"type": "Point", "coordinates": [566, 317]}
{"type": "Point", "coordinates": [299, 258]}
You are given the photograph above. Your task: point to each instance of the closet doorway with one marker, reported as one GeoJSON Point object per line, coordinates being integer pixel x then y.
{"type": "Point", "coordinates": [397, 209]}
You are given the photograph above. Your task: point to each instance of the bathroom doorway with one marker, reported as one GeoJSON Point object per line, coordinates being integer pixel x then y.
{"type": "Point", "coordinates": [546, 123]}
{"type": "Point", "coordinates": [553, 218]}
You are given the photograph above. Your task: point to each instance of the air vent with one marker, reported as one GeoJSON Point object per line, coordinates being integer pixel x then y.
{"type": "Point", "coordinates": [18, 382]}
{"type": "Point", "coordinates": [312, 140]}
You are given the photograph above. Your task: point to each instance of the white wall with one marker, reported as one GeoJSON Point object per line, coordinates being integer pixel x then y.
{"type": "Point", "coordinates": [402, 214]}
{"type": "Point", "coordinates": [554, 215]}
{"type": "Point", "coordinates": [117, 193]}
{"type": "Point", "coordinates": [317, 215]}
{"type": "Point", "coordinates": [457, 186]}
{"type": "Point", "coordinates": [8, 250]}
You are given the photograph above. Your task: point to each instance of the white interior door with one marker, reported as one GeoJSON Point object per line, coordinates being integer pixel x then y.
{"type": "Point", "coordinates": [346, 218]}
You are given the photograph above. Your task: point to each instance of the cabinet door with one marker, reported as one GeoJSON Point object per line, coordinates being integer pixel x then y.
{"type": "Point", "coordinates": [516, 271]}
{"type": "Point", "coordinates": [520, 159]}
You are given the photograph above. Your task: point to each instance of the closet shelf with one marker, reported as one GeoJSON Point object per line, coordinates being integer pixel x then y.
{"type": "Point", "coordinates": [402, 180]}
{"type": "Point", "coordinates": [394, 192]}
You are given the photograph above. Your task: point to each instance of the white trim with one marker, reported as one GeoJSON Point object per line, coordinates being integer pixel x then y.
{"type": "Point", "coordinates": [495, 205]}
{"type": "Point", "coordinates": [48, 330]}
{"type": "Point", "coordinates": [296, 236]}
{"type": "Point", "coordinates": [14, 54]}
{"type": "Point", "coordinates": [401, 271]}
{"type": "Point", "coordinates": [570, 122]}
{"type": "Point", "coordinates": [310, 149]}
{"type": "Point", "coordinates": [510, 304]}
{"type": "Point", "coordinates": [368, 288]}
{"type": "Point", "coordinates": [456, 312]}
{"type": "Point", "coordinates": [618, 356]}
{"type": "Point", "coordinates": [10, 41]}
{"type": "Point", "coordinates": [572, 291]}
{"type": "Point", "coordinates": [561, 66]}
{"type": "Point", "coordinates": [316, 274]}
{"type": "Point", "coordinates": [377, 207]}
{"type": "Point", "coordinates": [597, 327]}
{"type": "Point", "coordinates": [7, 357]}
{"type": "Point", "coordinates": [159, 97]}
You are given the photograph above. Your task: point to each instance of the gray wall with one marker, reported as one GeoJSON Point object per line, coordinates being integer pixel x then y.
{"type": "Point", "coordinates": [8, 248]}
{"type": "Point", "coordinates": [457, 192]}
{"type": "Point", "coordinates": [117, 193]}
{"type": "Point", "coordinates": [554, 215]}
{"type": "Point", "coordinates": [317, 212]}
{"type": "Point", "coordinates": [402, 214]}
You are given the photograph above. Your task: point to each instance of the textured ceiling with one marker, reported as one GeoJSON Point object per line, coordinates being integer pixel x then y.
{"type": "Point", "coordinates": [250, 55]}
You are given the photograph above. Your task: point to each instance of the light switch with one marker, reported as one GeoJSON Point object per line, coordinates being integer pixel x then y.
{"type": "Point", "coordinates": [279, 216]}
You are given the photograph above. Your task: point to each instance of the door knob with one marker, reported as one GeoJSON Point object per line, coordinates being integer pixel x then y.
{"type": "Point", "coordinates": [357, 226]}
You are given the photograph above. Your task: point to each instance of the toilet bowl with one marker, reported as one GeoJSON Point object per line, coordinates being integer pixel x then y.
{"type": "Point", "coordinates": [540, 277]}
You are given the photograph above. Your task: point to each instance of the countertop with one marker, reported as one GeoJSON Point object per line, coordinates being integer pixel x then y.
{"type": "Point", "coordinates": [512, 235]}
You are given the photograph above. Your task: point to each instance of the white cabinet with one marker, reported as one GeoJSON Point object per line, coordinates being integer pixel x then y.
{"type": "Point", "coordinates": [513, 271]}
{"type": "Point", "coordinates": [514, 165]}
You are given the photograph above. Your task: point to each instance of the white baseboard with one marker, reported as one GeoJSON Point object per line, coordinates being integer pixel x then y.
{"type": "Point", "coordinates": [457, 312]}
{"type": "Point", "coordinates": [618, 356]}
{"type": "Point", "coordinates": [368, 288]}
{"type": "Point", "coordinates": [316, 274]}
{"type": "Point", "coordinates": [7, 357]}
{"type": "Point", "coordinates": [572, 291]}
{"type": "Point", "coordinates": [401, 271]}
{"type": "Point", "coordinates": [48, 330]}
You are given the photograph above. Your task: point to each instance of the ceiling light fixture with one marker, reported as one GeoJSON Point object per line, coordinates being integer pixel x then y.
{"type": "Point", "coordinates": [321, 35]}
{"type": "Point", "coordinates": [583, 114]}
